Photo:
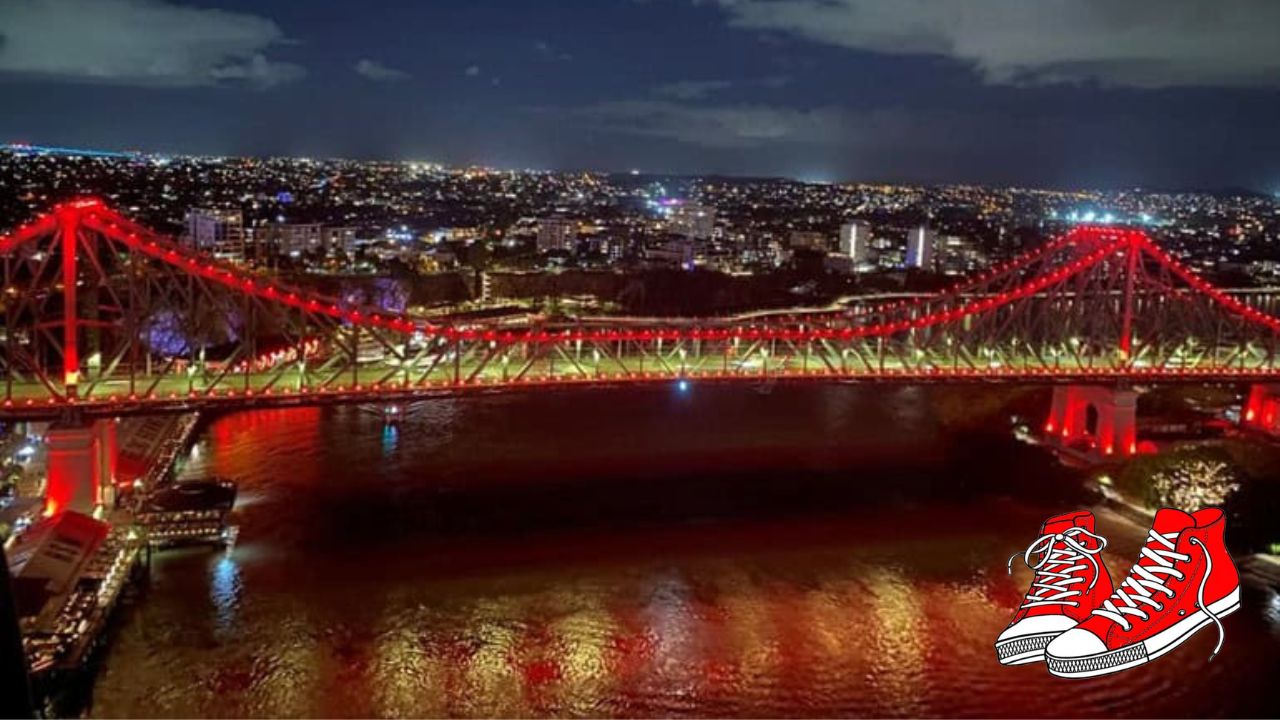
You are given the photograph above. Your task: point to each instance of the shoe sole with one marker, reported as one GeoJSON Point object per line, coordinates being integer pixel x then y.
{"type": "Point", "coordinates": [1114, 661]}
{"type": "Point", "coordinates": [1025, 649]}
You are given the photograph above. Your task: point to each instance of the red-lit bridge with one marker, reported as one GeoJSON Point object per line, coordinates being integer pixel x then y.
{"type": "Point", "coordinates": [105, 318]}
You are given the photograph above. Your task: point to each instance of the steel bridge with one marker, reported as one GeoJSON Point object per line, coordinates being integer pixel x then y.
{"type": "Point", "coordinates": [104, 317]}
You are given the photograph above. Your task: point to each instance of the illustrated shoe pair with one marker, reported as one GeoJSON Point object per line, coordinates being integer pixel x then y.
{"type": "Point", "coordinates": [1074, 619]}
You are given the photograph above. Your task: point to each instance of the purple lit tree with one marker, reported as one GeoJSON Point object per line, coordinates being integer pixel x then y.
{"type": "Point", "coordinates": [386, 294]}
{"type": "Point", "coordinates": [171, 333]}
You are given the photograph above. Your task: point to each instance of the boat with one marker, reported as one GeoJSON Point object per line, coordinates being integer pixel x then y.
{"type": "Point", "coordinates": [189, 511]}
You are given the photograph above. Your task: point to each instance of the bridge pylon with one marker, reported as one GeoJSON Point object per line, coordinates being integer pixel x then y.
{"type": "Point", "coordinates": [81, 465]}
{"type": "Point", "coordinates": [1099, 421]}
{"type": "Point", "coordinates": [1262, 409]}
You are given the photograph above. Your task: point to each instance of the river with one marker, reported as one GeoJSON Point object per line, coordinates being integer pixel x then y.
{"type": "Point", "coordinates": [834, 550]}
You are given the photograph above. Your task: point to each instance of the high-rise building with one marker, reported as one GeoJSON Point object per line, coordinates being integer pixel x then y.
{"type": "Point", "coordinates": [220, 232]}
{"type": "Point", "coordinates": [695, 222]}
{"type": "Point", "coordinates": [921, 248]}
{"type": "Point", "coordinates": [952, 255]}
{"type": "Point", "coordinates": [855, 241]}
{"type": "Point", "coordinates": [557, 233]}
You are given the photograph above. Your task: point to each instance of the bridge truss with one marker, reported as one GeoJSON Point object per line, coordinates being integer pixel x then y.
{"type": "Point", "coordinates": [104, 316]}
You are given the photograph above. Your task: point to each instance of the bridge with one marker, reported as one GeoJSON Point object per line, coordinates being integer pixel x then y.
{"type": "Point", "coordinates": [104, 317]}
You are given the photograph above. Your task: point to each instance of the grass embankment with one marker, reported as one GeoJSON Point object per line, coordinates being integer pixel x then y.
{"type": "Point", "coordinates": [1254, 508]}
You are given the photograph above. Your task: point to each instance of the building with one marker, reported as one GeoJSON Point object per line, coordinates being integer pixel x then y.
{"type": "Point", "coordinates": [67, 573]}
{"type": "Point", "coordinates": [694, 222]}
{"type": "Point", "coordinates": [954, 256]}
{"type": "Point", "coordinates": [338, 239]}
{"type": "Point", "coordinates": [219, 232]}
{"type": "Point", "coordinates": [557, 233]}
{"type": "Point", "coordinates": [678, 252]}
{"type": "Point", "coordinates": [922, 248]}
{"type": "Point", "coordinates": [855, 241]}
{"type": "Point", "coordinates": [293, 239]}
{"type": "Point", "coordinates": [808, 240]}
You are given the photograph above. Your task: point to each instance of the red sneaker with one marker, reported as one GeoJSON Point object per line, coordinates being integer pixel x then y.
{"type": "Point", "coordinates": [1069, 583]}
{"type": "Point", "coordinates": [1183, 580]}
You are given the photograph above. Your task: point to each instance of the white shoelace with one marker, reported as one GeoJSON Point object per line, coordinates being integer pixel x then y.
{"type": "Point", "coordinates": [1056, 571]}
{"type": "Point", "coordinates": [1144, 582]}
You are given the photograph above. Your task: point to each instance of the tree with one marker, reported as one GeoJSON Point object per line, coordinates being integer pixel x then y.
{"type": "Point", "coordinates": [1194, 484]}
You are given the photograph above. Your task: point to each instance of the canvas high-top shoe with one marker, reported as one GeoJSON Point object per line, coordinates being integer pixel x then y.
{"type": "Point", "coordinates": [1070, 582]}
{"type": "Point", "coordinates": [1183, 580]}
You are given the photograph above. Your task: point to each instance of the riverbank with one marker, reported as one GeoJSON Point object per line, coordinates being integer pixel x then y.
{"type": "Point", "coordinates": [73, 572]}
{"type": "Point", "coordinates": [1259, 569]}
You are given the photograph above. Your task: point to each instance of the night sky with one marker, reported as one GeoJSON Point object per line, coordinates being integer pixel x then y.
{"type": "Point", "coordinates": [1160, 93]}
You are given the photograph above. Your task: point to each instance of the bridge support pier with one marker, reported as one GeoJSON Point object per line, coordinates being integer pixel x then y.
{"type": "Point", "coordinates": [82, 462]}
{"type": "Point", "coordinates": [1097, 420]}
{"type": "Point", "coordinates": [1262, 410]}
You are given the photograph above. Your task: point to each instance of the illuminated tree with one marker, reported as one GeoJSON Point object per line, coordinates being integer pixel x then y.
{"type": "Point", "coordinates": [1194, 484]}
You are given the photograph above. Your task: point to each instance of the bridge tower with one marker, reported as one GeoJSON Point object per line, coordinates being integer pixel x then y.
{"type": "Point", "coordinates": [81, 465]}
{"type": "Point", "coordinates": [1102, 418]}
{"type": "Point", "coordinates": [1262, 410]}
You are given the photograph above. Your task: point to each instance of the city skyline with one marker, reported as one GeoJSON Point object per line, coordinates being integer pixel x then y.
{"type": "Point", "coordinates": [639, 358]}
{"type": "Point", "coordinates": [813, 91]}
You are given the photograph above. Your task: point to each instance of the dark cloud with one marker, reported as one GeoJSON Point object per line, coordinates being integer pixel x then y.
{"type": "Point", "coordinates": [1139, 43]}
{"type": "Point", "coordinates": [139, 42]}
{"type": "Point", "coordinates": [721, 126]}
{"type": "Point", "coordinates": [901, 89]}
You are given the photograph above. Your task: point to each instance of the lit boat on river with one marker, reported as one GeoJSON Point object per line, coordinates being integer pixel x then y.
{"type": "Point", "coordinates": [190, 511]}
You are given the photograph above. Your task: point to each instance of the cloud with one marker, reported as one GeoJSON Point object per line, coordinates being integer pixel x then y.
{"type": "Point", "coordinates": [547, 50]}
{"type": "Point", "coordinates": [378, 72]}
{"type": "Point", "coordinates": [691, 89]}
{"type": "Point", "coordinates": [729, 126]}
{"type": "Point", "coordinates": [472, 71]}
{"type": "Point", "coordinates": [139, 42]}
{"type": "Point", "coordinates": [702, 89]}
{"type": "Point", "coordinates": [1142, 43]}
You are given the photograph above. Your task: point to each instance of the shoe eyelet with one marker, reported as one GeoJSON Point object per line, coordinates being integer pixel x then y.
{"type": "Point", "coordinates": [1182, 612]}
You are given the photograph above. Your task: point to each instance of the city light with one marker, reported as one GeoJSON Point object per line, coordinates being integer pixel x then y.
{"type": "Point", "coordinates": [357, 434]}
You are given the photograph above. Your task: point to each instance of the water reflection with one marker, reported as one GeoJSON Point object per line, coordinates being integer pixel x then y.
{"type": "Point", "coordinates": [224, 591]}
{"type": "Point", "coordinates": [481, 576]}
{"type": "Point", "coordinates": [895, 650]}
{"type": "Point", "coordinates": [390, 438]}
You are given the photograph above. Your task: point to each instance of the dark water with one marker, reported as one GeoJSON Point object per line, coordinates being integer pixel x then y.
{"type": "Point", "coordinates": [814, 551]}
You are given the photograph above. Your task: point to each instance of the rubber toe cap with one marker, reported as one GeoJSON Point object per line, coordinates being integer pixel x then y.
{"type": "Point", "coordinates": [1037, 625]}
{"type": "Point", "coordinates": [1076, 643]}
